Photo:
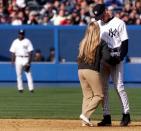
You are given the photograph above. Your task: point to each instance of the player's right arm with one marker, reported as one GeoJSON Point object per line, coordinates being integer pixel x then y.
{"type": "Point", "coordinates": [13, 51]}
{"type": "Point", "coordinates": [123, 49]}
{"type": "Point", "coordinates": [124, 40]}
{"type": "Point", "coordinates": [30, 51]}
{"type": "Point", "coordinates": [13, 58]}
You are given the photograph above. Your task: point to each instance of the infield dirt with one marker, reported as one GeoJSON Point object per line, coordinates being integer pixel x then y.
{"type": "Point", "coordinates": [59, 125]}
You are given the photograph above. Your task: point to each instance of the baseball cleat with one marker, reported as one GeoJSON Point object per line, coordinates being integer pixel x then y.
{"type": "Point", "coordinates": [125, 120]}
{"type": "Point", "coordinates": [20, 91]}
{"type": "Point", "coordinates": [106, 121]}
{"type": "Point", "coordinates": [32, 91]}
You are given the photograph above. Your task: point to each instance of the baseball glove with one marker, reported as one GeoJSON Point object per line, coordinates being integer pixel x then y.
{"type": "Point", "coordinates": [26, 68]}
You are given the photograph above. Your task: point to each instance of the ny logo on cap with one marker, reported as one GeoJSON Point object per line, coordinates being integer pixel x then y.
{"type": "Point", "coordinates": [95, 12]}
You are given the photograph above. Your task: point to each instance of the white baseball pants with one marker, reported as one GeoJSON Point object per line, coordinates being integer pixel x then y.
{"type": "Point", "coordinates": [116, 73]}
{"type": "Point", "coordinates": [19, 64]}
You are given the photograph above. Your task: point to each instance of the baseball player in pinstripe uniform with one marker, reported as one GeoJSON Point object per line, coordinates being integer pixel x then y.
{"type": "Point", "coordinates": [21, 50]}
{"type": "Point", "coordinates": [113, 31]}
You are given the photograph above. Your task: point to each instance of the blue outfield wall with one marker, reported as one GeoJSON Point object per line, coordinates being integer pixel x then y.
{"type": "Point", "coordinates": [66, 41]}
{"type": "Point", "coordinates": [45, 72]}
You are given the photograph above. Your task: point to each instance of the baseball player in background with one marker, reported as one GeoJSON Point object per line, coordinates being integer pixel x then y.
{"type": "Point", "coordinates": [21, 50]}
{"type": "Point", "coordinates": [113, 31]}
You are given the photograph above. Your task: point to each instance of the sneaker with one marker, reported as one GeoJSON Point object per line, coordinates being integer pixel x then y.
{"type": "Point", "coordinates": [84, 124]}
{"type": "Point", "coordinates": [106, 121]}
{"type": "Point", "coordinates": [85, 120]}
{"type": "Point", "coordinates": [125, 120]}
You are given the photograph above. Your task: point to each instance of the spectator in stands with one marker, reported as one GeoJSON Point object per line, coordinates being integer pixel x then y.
{"type": "Point", "coordinates": [46, 20]}
{"type": "Point", "coordinates": [26, 14]}
{"type": "Point", "coordinates": [99, 1]}
{"type": "Point", "coordinates": [21, 3]}
{"type": "Point", "coordinates": [38, 57]}
{"type": "Point", "coordinates": [21, 15]}
{"type": "Point", "coordinates": [3, 19]}
{"type": "Point", "coordinates": [59, 18]}
{"type": "Point", "coordinates": [32, 18]}
{"type": "Point", "coordinates": [85, 16]}
{"type": "Point", "coordinates": [48, 10]}
{"type": "Point", "coordinates": [132, 17]}
{"type": "Point", "coordinates": [125, 18]}
{"type": "Point", "coordinates": [17, 18]}
{"type": "Point", "coordinates": [66, 21]}
{"type": "Point", "coordinates": [51, 57]}
{"type": "Point", "coordinates": [138, 21]}
{"type": "Point", "coordinates": [138, 6]}
{"type": "Point", "coordinates": [16, 21]}
{"type": "Point", "coordinates": [57, 12]}
{"type": "Point", "coordinates": [127, 8]}
{"type": "Point", "coordinates": [82, 22]}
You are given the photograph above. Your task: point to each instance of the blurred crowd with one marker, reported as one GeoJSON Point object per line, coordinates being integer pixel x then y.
{"type": "Point", "coordinates": [65, 12]}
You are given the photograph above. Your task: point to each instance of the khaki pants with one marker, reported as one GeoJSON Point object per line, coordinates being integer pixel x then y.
{"type": "Point", "coordinates": [92, 90]}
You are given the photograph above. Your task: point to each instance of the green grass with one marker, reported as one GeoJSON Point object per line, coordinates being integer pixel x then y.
{"type": "Point", "coordinates": [59, 103]}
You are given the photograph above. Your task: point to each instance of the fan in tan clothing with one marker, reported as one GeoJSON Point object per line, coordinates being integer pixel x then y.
{"type": "Point", "coordinates": [92, 52]}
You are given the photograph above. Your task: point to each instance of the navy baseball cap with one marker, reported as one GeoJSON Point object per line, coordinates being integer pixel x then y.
{"type": "Point", "coordinates": [98, 11]}
{"type": "Point", "coordinates": [22, 31]}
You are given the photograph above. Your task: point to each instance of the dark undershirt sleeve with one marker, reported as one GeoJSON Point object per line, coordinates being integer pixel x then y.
{"type": "Point", "coordinates": [124, 49]}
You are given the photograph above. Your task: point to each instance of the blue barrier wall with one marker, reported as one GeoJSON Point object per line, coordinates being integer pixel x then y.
{"type": "Point", "coordinates": [66, 42]}
{"type": "Point", "coordinates": [45, 72]}
{"type": "Point", "coordinates": [134, 33]}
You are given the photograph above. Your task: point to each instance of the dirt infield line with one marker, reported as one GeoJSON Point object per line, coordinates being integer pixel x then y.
{"type": "Point", "coordinates": [59, 125]}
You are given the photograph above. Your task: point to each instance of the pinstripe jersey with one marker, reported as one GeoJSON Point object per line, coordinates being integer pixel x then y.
{"type": "Point", "coordinates": [113, 32]}
{"type": "Point", "coordinates": [21, 47]}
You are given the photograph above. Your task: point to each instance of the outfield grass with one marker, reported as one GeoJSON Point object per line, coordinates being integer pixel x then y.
{"type": "Point", "coordinates": [59, 103]}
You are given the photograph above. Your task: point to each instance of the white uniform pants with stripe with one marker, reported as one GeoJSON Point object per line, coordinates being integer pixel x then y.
{"type": "Point", "coordinates": [19, 64]}
{"type": "Point", "coordinates": [116, 73]}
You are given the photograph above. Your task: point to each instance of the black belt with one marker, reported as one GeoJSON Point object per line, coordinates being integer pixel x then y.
{"type": "Point", "coordinates": [115, 49]}
{"type": "Point", "coordinates": [22, 56]}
